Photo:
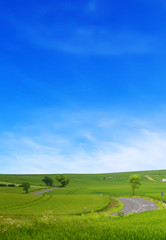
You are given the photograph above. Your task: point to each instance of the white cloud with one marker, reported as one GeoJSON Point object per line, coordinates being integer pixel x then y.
{"type": "Point", "coordinates": [84, 142]}
{"type": "Point", "coordinates": [143, 152]}
{"type": "Point", "coordinates": [107, 122]}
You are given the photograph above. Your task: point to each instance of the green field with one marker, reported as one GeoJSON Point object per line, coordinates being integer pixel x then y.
{"type": "Point", "coordinates": [81, 210]}
{"type": "Point", "coordinates": [59, 205]}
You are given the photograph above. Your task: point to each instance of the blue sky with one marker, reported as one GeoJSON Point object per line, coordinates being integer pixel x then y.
{"type": "Point", "coordinates": [82, 86]}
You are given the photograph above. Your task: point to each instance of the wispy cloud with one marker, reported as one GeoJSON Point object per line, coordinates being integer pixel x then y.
{"type": "Point", "coordinates": [83, 39]}
{"type": "Point", "coordinates": [147, 152]}
{"type": "Point", "coordinates": [91, 40]}
{"type": "Point", "coordinates": [76, 147]}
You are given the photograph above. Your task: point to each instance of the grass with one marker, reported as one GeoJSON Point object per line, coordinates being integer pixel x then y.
{"type": "Point", "coordinates": [59, 205]}
{"type": "Point", "coordinates": [80, 211]}
{"type": "Point", "coordinates": [144, 226]}
{"type": "Point", "coordinates": [81, 184]}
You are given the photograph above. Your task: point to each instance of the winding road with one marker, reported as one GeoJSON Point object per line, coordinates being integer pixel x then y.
{"type": "Point", "coordinates": [136, 205]}
{"type": "Point", "coordinates": [40, 192]}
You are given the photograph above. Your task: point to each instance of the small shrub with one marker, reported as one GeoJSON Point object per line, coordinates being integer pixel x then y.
{"type": "Point", "coordinates": [48, 181]}
{"type": "Point", "coordinates": [11, 185]}
{"type": "Point", "coordinates": [3, 185]}
{"type": "Point", "coordinates": [63, 180]}
{"type": "Point", "coordinates": [120, 214]}
{"type": "Point", "coordinates": [26, 186]}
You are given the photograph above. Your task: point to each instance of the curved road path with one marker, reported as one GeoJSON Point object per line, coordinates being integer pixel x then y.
{"type": "Point", "coordinates": [40, 192]}
{"type": "Point", "coordinates": [132, 204]}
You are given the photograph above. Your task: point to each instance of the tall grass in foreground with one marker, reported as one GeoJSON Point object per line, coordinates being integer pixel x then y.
{"type": "Point", "coordinates": [144, 226]}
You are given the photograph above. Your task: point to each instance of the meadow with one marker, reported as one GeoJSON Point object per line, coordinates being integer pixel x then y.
{"type": "Point", "coordinates": [82, 209]}
{"type": "Point", "coordinates": [147, 225]}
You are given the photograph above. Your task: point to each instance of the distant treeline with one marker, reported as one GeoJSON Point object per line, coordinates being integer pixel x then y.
{"type": "Point", "coordinates": [8, 185]}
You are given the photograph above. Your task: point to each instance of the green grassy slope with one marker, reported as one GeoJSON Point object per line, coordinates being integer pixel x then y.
{"type": "Point", "coordinates": [59, 205]}
{"type": "Point", "coordinates": [84, 190]}
{"type": "Point", "coordinates": [95, 183]}
{"type": "Point", "coordinates": [52, 215]}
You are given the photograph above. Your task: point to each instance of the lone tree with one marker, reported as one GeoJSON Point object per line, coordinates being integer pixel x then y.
{"type": "Point", "coordinates": [135, 181]}
{"type": "Point", "coordinates": [63, 180]}
{"type": "Point", "coordinates": [48, 181]}
{"type": "Point", "coordinates": [26, 186]}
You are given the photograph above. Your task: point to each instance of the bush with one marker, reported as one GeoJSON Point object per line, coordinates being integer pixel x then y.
{"type": "Point", "coordinates": [26, 186]}
{"type": "Point", "coordinates": [63, 180]}
{"type": "Point", "coordinates": [3, 185]}
{"type": "Point", "coordinates": [11, 185]}
{"type": "Point", "coordinates": [120, 214]}
{"type": "Point", "coordinates": [48, 181]}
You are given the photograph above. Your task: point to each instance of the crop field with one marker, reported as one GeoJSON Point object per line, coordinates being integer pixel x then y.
{"type": "Point", "coordinates": [59, 205]}
{"type": "Point", "coordinates": [82, 209]}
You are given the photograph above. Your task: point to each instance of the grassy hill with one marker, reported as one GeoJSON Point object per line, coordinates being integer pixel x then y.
{"type": "Point", "coordinates": [152, 184]}
{"type": "Point", "coordinates": [62, 213]}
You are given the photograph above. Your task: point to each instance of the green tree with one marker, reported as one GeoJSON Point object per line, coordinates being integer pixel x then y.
{"type": "Point", "coordinates": [135, 181]}
{"type": "Point", "coordinates": [63, 180]}
{"type": "Point", "coordinates": [26, 186]}
{"type": "Point", "coordinates": [48, 181]}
